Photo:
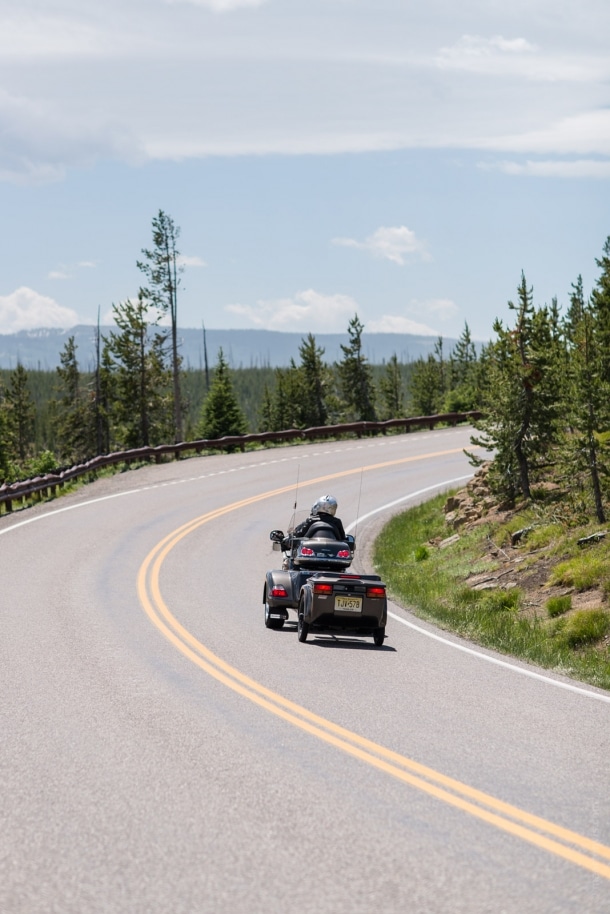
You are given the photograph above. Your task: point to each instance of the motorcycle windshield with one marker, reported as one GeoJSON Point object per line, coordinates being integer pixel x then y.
{"type": "Point", "coordinates": [297, 518]}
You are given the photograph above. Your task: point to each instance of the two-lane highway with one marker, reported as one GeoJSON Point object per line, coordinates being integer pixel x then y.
{"type": "Point", "coordinates": [163, 752]}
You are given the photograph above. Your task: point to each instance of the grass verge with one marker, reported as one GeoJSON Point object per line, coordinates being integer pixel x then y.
{"type": "Point", "coordinates": [431, 581]}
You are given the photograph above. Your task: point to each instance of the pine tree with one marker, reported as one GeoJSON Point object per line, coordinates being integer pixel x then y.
{"type": "Point", "coordinates": [523, 405]}
{"type": "Point", "coordinates": [463, 358]}
{"type": "Point", "coordinates": [4, 454]}
{"type": "Point", "coordinates": [426, 388]}
{"type": "Point", "coordinates": [444, 377]}
{"type": "Point", "coordinates": [587, 409]}
{"type": "Point", "coordinates": [576, 308]}
{"type": "Point", "coordinates": [391, 390]}
{"type": "Point", "coordinates": [282, 402]}
{"type": "Point", "coordinates": [285, 407]}
{"type": "Point", "coordinates": [314, 378]}
{"type": "Point", "coordinates": [265, 417]}
{"type": "Point", "coordinates": [162, 269]}
{"type": "Point", "coordinates": [463, 393]}
{"type": "Point", "coordinates": [72, 417]}
{"type": "Point", "coordinates": [356, 377]}
{"type": "Point", "coordinates": [20, 415]}
{"type": "Point", "coordinates": [105, 397]}
{"type": "Point", "coordinates": [587, 442]}
{"type": "Point", "coordinates": [142, 401]}
{"type": "Point", "coordinates": [221, 414]}
{"type": "Point", "coordinates": [600, 303]}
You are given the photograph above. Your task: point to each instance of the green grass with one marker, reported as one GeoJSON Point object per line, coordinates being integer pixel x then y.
{"type": "Point", "coordinates": [545, 536]}
{"type": "Point", "coordinates": [557, 606]}
{"type": "Point", "coordinates": [589, 569]}
{"type": "Point", "coordinates": [587, 626]}
{"type": "Point", "coordinates": [434, 589]}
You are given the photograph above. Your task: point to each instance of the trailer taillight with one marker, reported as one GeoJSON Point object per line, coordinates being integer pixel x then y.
{"type": "Point", "coordinates": [343, 554]}
{"type": "Point", "coordinates": [305, 550]}
{"type": "Point", "coordinates": [375, 592]}
{"type": "Point", "coordinates": [322, 588]}
{"type": "Point", "coordinates": [278, 592]}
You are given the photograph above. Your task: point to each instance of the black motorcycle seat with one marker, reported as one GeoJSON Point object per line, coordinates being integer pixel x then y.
{"type": "Point", "coordinates": [320, 530]}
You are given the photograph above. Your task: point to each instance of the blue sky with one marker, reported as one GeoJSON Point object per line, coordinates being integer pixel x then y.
{"type": "Point", "coordinates": [405, 161]}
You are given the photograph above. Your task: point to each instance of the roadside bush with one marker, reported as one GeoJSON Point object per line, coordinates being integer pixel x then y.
{"type": "Point", "coordinates": [582, 572]}
{"type": "Point", "coordinates": [557, 606]}
{"type": "Point", "coordinates": [584, 627]}
{"type": "Point", "coordinates": [501, 600]}
{"type": "Point", "coordinates": [486, 601]}
{"type": "Point", "coordinates": [466, 597]}
{"type": "Point", "coordinates": [421, 554]}
{"type": "Point", "coordinates": [42, 464]}
{"type": "Point", "coordinates": [542, 537]}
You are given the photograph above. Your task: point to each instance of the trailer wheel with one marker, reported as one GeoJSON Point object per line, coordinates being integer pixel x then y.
{"type": "Point", "coordinates": [302, 625]}
{"type": "Point", "coordinates": [272, 623]}
{"type": "Point", "coordinates": [303, 628]}
{"type": "Point", "coordinates": [379, 635]}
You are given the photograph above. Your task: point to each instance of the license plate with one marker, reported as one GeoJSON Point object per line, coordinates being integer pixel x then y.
{"type": "Point", "coordinates": [348, 604]}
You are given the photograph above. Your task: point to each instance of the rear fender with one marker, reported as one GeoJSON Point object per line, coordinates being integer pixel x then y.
{"type": "Point", "coordinates": [305, 600]}
{"type": "Point", "coordinates": [283, 579]}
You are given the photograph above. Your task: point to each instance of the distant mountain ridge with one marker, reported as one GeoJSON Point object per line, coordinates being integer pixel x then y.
{"type": "Point", "coordinates": [40, 349]}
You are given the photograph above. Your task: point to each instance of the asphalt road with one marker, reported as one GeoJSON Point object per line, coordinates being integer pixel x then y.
{"type": "Point", "coordinates": [162, 752]}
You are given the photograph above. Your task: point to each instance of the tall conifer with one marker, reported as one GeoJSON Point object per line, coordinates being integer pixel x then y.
{"type": "Point", "coordinates": [221, 414]}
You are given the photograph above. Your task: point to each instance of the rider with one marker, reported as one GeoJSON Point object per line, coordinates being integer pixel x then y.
{"type": "Point", "coordinates": [323, 510]}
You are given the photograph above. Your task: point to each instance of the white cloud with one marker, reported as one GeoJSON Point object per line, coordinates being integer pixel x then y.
{"type": "Point", "coordinates": [25, 309]}
{"type": "Point", "coordinates": [40, 140]}
{"type": "Point", "coordinates": [38, 36]}
{"type": "Point", "coordinates": [393, 244]}
{"type": "Point", "coordinates": [580, 168]}
{"type": "Point", "coordinates": [587, 133]}
{"type": "Point", "coordinates": [473, 52]}
{"type": "Point", "coordinates": [293, 78]}
{"type": "Point", "coordinates": [395, 323]}
{"type": "Point", "coordinates": [221, 6]}
{"type": "Point", "coordinates": [306, 311]}
{"type": "Point", "coordinates": [67, 272]}
{"type": "Point", "coordinates": [438, 309]}
{"type": "Point", "coordinates": [498, 56]}
{"type": "Point", "coordinates": [107, 319]}
{"type": "Point", "coordinates": [472, 49]}
{"type": "Point", "coordinates": [443, 308]}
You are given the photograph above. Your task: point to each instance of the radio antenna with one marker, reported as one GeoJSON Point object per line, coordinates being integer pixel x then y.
{"type": "Point", "coordinates": [359, 495]}
{"type": "Point", "coordinates": [296, 494]}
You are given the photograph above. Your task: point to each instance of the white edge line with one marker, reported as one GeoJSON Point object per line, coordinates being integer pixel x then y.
{"type": "Point", "coordinates": [81, 504]}
{"type": "Point", "coordinates": [461, 647]}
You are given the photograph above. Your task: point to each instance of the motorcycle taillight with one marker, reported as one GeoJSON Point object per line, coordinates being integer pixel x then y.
{"type": "Point", "coordinates": [375, 591]}
{"type": "Point", "coordinates": [322, 588]}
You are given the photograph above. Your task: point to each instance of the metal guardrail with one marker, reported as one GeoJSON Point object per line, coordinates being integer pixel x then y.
{"type": "Point", "coordinates": [41, 487]}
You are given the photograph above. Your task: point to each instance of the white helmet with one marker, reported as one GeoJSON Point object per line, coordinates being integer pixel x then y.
{"type": "Point", "coordinates": [327, 504]}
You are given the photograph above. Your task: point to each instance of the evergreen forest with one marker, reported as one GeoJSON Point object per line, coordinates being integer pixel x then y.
{"type": "Point", "coordinates": [542, 384]}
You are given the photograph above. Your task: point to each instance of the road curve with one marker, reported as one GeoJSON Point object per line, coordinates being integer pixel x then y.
{"type": "Point", "coordinates": [163, 752]}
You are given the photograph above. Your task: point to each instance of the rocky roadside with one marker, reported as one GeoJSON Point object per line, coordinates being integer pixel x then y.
{"type": "Point", "coordinates": [511, 563]}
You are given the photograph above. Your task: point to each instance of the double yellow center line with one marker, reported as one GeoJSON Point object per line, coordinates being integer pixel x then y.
{"type": "Point", "coordinates": [584, 852]}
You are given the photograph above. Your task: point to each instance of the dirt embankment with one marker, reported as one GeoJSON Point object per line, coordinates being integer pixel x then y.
{"type": "Point", "coordinates": [512, 561]}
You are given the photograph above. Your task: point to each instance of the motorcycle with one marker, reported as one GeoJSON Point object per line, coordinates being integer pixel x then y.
{"type": "Point", "coordinates": [314, 582]}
